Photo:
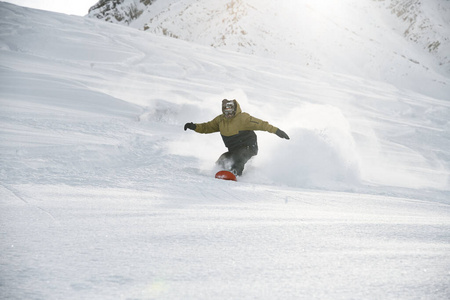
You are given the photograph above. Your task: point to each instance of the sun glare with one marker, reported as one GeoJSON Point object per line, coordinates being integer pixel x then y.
{"type": "Point", "coordinates": [326, 8]}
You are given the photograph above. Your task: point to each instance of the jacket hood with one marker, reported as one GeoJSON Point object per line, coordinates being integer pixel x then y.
{"type": "Point", "coordinates": [236, 105]}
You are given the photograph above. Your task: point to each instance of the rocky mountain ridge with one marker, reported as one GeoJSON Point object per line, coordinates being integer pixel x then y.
{"type": "Point", "coordinates": [429, 28]}
{"type": "Point", "coordinates": [322, 34]}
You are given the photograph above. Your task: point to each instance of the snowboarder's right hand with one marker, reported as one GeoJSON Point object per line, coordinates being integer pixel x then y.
{"type": "Point", "coordinates": [191, 126]}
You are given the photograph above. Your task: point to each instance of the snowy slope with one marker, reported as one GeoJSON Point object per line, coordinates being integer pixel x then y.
{"type": "Point", "coordinates": [104, 196]}
{"type": "Point", "coordinates": [378, 40]}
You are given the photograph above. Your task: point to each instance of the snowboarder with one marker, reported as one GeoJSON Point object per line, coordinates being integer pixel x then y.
{"type": "Point", "coordinates": [237, 130]}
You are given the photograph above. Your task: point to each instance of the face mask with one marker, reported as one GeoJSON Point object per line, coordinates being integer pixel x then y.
{"type": "Point", "coordinates": [228, 108]}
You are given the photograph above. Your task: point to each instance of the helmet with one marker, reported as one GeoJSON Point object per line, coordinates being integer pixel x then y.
{"type": "Point", "coordinates": [229, 108]}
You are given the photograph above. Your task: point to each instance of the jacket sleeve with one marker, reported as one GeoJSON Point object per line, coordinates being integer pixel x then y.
{"type": "Point", "coordinates": [208, 127]}
{"type": "Point", "coordinates": [252, 123]}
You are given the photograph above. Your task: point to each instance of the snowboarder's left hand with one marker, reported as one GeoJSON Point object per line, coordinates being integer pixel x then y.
{"type": "Point", "coordinates": [282, 134]}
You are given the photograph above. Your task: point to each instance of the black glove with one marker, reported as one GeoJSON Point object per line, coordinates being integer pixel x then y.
{"type": "Point", "coordinates": [191, 126]}
{"type": "Point", "coordinates": [282, 134]}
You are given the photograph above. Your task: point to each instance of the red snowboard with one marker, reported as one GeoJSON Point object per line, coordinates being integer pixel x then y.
{"type": "Point", "coordinates": [226, 175]}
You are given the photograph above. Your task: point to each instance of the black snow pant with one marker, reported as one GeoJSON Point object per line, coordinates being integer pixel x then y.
{"type": "Point", "coordinates": [236, 159]}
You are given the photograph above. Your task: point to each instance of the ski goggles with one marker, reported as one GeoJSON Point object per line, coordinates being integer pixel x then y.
{"type": "Point", "coordinates": [228, 107]}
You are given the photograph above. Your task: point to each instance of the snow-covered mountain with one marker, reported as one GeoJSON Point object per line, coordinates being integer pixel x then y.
{"type": "Point", "coordinates": [103, 195]}
{"type": "Point", "coordinates": [330, 35]}
{"type": "Point", "coordinates": [426, 23]}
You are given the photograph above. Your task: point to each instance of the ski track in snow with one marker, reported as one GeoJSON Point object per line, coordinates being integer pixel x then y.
{"type": "Point", "coordinates": [103, 195]}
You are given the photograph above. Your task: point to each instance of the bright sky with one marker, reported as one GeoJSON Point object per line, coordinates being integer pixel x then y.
{"type": "Point", "coordinates": [73, 7]}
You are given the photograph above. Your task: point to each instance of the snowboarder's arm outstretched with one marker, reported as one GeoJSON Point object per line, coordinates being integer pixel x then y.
{"type": "Point", "coordinates": [242, 122]}
{"type": "Point", "coordinates": [208, 127]}
{"type": "Point", "coordinates": [253, 123]}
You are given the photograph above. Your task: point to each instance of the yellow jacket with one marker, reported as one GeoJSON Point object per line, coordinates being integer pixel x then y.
{"type": "Point", "coordinates": [237, 131]}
